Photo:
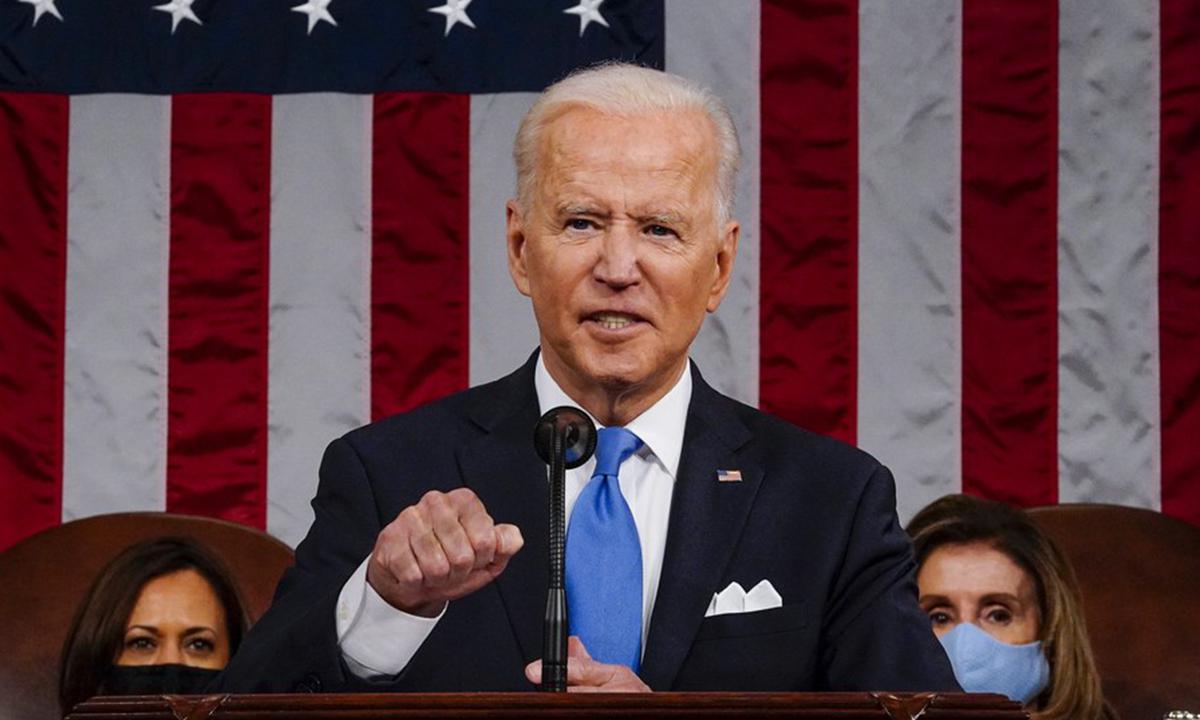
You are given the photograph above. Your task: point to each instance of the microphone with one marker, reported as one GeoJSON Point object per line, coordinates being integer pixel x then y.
{"type": "Point", "coordinates": [564, 438]}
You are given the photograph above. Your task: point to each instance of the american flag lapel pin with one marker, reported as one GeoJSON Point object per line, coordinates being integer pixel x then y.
{"type": "Point", "coordinates": [729, 475]}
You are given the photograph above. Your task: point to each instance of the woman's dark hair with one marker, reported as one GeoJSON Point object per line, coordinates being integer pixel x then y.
{"type": "Point", "coordinates": [98, 630]}
{"type": "Point", "coordinates": [1074, 691]}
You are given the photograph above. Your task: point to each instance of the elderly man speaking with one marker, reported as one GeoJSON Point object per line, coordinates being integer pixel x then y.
{"type": "Point", "coordinates": [709, 546]}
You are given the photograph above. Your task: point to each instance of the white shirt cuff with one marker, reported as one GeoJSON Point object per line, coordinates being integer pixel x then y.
{"type": "Point", "coordinates": [376, 639]}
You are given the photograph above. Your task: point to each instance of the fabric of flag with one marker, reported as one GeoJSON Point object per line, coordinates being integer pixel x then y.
{"type": "Point", "coordinates": [231, 231]}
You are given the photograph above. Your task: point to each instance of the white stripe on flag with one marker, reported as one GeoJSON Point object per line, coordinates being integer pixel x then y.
{"type": "Point", "coordinates": [319, 292]}
{"type": "Point", "coordinates": [910, 300]}
{"type": "Point", "coordinates": [716, 42]}
{"type": "Point", "coordinates": [1108, 413]}
{"type": "Point", "coordinates": [114, 413]}
{"type": "Point", "coordinates": [503, 332]}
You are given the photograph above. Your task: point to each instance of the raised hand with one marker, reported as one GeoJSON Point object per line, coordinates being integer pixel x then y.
{"type": "Point", "coordinates": [443, 548]}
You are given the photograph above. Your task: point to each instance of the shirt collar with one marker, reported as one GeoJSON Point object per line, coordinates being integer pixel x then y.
{"type": "Point", "coordinates": [660, 427]}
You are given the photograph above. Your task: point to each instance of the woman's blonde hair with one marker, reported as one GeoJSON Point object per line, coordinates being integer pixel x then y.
{"type": "Point", "coordinates": [624, 90]}
{"type": "Point", "coordinates": [1074, 691]}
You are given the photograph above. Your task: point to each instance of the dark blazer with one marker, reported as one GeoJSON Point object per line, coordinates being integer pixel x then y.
{"type": "Point", "coordinates": [814, 516]}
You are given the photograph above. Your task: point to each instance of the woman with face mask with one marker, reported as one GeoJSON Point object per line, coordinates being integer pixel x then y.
{"type": "Point", "coordinates": [164, 616]}
{"type": "Point", "coordinates": [1005, 604]}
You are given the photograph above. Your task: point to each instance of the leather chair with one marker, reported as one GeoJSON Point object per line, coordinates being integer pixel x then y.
{"type": "Point", "coordinates": [1139, 574]}
{"type": "Point", "coordinates": [43, 578]}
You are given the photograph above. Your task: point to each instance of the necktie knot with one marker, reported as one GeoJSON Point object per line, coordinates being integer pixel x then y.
{"type": "Point", "coordinates": [613, 446]}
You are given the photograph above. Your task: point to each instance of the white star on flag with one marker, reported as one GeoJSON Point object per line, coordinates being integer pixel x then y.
{"type": "Point", "coordinates": [41, 7]}
{"type": "Point", "coordinates": [588, 12]}
{"type": "Point", "coordinates": [455, 12]}
{"type": "Point", "coordinates": [316, 10]}
{"type": "Point", "coordinates": [180, 10]}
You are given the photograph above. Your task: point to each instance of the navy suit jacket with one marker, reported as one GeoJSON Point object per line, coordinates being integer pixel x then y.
{"type": "Point", "coordinates": [814, 516]}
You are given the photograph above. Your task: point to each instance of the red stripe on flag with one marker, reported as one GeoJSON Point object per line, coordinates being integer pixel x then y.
{"type": "Point", "coordinates": [1179, 259]}
{"type": "Point", "coordinates": [217, 354]}
{"type": "Point", "coordinates": [419, 266]}
{"type": "Point", "coordinates": [33, 260]}
{"type": "Point", "coordinates": [808, 303]}
{"type": "Point", "coordinates": [1009, 255]}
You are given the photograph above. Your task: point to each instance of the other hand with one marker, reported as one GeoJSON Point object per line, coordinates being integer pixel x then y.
{"type": "Point", "coordinates": [587, 675]}
{"type": "Point", "coordinates": [443, 548]}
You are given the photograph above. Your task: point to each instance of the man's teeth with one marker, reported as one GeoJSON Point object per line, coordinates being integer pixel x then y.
{"type": "Point", "coordinates": [613, 322]}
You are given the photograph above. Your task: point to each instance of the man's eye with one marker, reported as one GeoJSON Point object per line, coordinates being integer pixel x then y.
{"type": "Point", "coordinates": [579, 224]}
{"type": "Point", "coordinates": [660, 231]}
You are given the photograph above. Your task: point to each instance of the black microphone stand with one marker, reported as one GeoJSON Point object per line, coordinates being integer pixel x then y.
{"type": "Point", "coordinates": [564, 438]}
{"type": "Point", "coordinates": [554, 636]}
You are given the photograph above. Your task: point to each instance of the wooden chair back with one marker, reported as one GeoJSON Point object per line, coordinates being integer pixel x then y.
{"type": "Point", "coordinates": [1139, 574]}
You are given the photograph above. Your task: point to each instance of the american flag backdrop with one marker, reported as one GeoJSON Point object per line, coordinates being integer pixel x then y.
{"type": "Point", "coordinates": [231, 230]}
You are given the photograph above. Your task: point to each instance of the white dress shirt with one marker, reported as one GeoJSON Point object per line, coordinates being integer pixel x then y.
{"type": "Point", "coordinates": [377, 640]}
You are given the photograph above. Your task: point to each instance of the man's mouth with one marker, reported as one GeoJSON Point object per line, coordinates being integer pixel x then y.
{"type": "Point", "coordinates": [613, 320]}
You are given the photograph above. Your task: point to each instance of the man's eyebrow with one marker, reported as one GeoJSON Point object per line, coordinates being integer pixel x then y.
{"type": "Point", "coordinates": [663, 217]}
{"type": "Point", "coordinates": [576, 208]}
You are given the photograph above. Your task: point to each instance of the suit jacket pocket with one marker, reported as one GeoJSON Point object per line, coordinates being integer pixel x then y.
{"type": "Point", "coordinates": [767, 650]}
{"type": "Point", "coordinates": [761, 622]}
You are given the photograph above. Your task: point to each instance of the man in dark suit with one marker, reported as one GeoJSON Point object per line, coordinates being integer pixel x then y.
{"type": "Point", "coordinates": [735, 551]}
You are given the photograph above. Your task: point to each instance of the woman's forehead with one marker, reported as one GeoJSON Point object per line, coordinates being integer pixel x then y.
{"type": "Point", "coordinates": [975, 569]}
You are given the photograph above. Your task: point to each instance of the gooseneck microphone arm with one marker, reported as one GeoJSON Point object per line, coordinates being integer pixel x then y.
{"type": "Point", "coordinates": [564, 438]}
{"type": "Point", "coordinates": [555, 632]}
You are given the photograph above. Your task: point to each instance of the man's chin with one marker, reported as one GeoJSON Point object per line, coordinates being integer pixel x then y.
{"type": "Point", "coordinates": [614, 370]}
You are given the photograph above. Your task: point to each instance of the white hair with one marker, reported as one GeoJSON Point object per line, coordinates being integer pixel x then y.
{"type": "Point", "coordinates": [626, 90]}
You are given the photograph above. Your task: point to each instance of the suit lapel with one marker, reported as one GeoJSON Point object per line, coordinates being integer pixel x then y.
{"type": "Point", "coordinates": [706, 521]}
{"type": "Point", "coordinates": [503, 469]}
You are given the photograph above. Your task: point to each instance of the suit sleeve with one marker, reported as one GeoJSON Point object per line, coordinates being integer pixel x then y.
{"type": "Point", "coordinates": [294, 646]}
{"type": "Point", "coordinates": [877, 637]}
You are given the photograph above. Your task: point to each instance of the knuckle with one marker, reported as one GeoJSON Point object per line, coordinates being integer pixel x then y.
{"type": "Point", "coordinates": [460, 494]}
{"type": "Point", "coordinates": [409, 517]}
{"type": "Point", "coordinates": [410, 575]}
{"type": "Point", "coordinates": [484, 542]}
{"type": "Point", "coordinates": [461, 559]}
{"type": "Point", "coordinates": [390, 532]}
{"type": "Point", "coordinates": [439, 568]}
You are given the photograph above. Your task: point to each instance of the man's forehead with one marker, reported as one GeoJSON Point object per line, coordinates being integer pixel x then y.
{"type": "Point", "coordinates": [582, 133]}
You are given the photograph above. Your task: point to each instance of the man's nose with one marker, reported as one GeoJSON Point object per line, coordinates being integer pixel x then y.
{"type": "Point", "coordinates": [617, 263]}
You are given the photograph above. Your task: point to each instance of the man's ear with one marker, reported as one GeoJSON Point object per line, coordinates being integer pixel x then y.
{"type": "Point", "coordinates": [727, 247]}
{"type": "Point", "coordinates": [515, 234]}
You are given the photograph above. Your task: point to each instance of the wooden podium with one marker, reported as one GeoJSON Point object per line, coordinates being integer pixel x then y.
{"type": "Point", "coordinates": [845, 706]}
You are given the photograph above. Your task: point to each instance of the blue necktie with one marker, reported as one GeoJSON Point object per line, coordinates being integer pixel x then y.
{"type": "Point", "coordinates": [604, 559]}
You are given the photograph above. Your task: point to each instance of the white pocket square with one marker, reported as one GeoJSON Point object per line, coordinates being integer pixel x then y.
{"type": "Point", "coordinates": [735, 599]}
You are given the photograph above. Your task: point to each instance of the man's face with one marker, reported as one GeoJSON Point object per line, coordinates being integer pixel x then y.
{"type": "Point", "coordinates": [620, 250]}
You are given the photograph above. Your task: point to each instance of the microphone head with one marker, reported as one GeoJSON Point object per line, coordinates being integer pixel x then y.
{"type": "Point", "coordinates": [579, 435]}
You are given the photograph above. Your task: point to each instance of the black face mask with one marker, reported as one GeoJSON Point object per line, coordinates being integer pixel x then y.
{"type": "Point", "coordinates": [157, 680]}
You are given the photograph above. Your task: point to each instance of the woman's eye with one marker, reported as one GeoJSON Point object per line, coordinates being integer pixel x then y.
{"type": "Point", "coordinates": [200, 645]}
{"type": "Point", "coordinates": [939, 617]}
{"type": "Point", "coordinates": [139, 643]}
{"type": "Point", "coordinates": [1000, 616]}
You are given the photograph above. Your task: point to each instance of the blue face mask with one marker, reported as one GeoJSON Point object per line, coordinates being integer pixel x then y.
{"type": "Point", "coordinates": [984, 664]}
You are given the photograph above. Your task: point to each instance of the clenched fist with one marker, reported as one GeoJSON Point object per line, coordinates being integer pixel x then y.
{"type": "Point", "coordinates": [443, 548]}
